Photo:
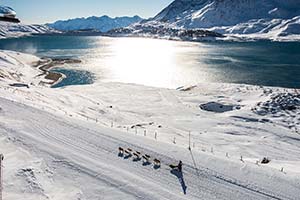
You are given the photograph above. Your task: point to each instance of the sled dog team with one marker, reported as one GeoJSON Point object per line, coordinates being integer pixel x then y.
{"type": "Point", "coordinates": [139, 156]}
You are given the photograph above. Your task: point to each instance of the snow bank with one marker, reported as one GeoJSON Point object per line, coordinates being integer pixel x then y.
{"type": "Point", "coordinates": [17, 69]}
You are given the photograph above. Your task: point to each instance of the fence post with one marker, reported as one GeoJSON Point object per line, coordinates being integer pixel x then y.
{"type": "Point", "coordinates": [1, 175]}
{"type": "Point", "coordinates": [242, 159]}
{"type": "Point", "coordinates": [155, 136]}
{"type": "Point", "coordinates": [145, 132]}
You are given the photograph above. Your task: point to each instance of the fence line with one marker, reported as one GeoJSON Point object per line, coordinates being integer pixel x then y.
{"type": "Point", "coordinates": [193, 145]}
{"type": "Point", "coordinates": [190, 144]}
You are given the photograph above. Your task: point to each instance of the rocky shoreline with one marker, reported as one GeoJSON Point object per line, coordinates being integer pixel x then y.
{"type": "Point", "coordinates": [46, 64]}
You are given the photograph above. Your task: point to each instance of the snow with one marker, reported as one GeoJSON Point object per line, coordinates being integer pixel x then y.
{"type": "Point", "coordinates": [63, 143]}
{"type": "Point", "coordinates": [159, 31]}
{"type": "Point", "coordinates": [10, 30]}
{"type": "Point", "coordinates": [257, 19]}
{"type": "Point", "coordinates": [103, 23]}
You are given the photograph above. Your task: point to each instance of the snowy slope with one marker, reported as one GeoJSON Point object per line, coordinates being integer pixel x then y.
{"type": "Point", "coordinates": [266, 18]}
{"type": "Point", "coordinates": [63, 143]}
{"type": "Point", "coordinates": [16, 68]}
{"type": "Point", "coordinates": [8, 30]}
{"type": "Point", "coordinates": [104, 23]}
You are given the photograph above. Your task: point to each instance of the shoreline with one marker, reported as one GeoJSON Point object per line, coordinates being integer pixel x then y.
{"type": "Point", "coordinates": [46, 64]}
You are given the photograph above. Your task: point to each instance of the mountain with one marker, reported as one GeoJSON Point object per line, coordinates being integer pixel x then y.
{"type": "Point", "coordinates": [8, 29]}
{"type": "Point", "coordinates": [160, 31]}
{"type": "Point", "coordinates": [268, 18]}
{"type": "Point", "coordinates": [104, 23]}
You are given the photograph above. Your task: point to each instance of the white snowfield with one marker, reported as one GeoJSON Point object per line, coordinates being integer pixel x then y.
{"type": "Point", "coordinates": [63, 143]}
{"type": "Point", "coordinates": [12, 30]}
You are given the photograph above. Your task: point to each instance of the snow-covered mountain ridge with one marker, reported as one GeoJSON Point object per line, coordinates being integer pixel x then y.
{"type": "Point", "coordinates": [160, 31]}
{"type": "Point", "coordinates": [8, 29]}
{"type": "Point", "coordinates": [265, 18]}
{"type": "Point", "coordinates": [104, 23]}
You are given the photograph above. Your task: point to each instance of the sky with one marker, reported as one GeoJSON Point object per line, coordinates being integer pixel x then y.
{"type": "Point", "coordinates": [44, 11]}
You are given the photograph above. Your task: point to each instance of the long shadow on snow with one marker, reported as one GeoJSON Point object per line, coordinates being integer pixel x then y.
{"type": "Point", "coordinates": [179, 175]}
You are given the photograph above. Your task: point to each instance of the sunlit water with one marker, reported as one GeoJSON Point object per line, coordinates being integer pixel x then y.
{"type": "Point", "coordinates": [168, 64]}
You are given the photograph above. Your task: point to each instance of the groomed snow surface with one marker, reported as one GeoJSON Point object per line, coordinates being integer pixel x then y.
{"type": "Point", "coordinates": [63, 143]}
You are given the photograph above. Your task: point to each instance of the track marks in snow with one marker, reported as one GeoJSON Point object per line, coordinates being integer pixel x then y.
{"type": "Point", "coordinates": [93, 152]}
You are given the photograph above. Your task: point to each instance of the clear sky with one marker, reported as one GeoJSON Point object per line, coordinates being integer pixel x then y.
{"type": "Point", "coordinates": [43, 11]}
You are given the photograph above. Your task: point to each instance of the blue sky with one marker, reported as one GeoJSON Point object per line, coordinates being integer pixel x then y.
{"type": "Point", "coordinates": [42, 11]}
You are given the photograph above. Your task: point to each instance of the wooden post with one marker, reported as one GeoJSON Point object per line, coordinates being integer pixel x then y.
{"type": "Point", "coordinates": [241, 159]}
{"type": "Point", "coordinates": [1, 176]}
{"type": "Point", "coordinates": [155, 136]}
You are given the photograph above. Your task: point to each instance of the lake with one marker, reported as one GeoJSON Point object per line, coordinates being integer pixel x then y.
{"type": "Point", "coordinates": [170, 64]}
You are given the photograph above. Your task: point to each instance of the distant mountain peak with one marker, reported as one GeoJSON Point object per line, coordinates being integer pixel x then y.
{"type": "Point", "coordinates": [271, 18]}
{"type": "Point", "coordinates": [208, 13]}
{"type": "Point", "coordinates": [103, 23]}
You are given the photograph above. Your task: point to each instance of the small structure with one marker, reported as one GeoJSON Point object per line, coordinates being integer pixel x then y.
{"type": "Point", "coordinates": [8, 14]}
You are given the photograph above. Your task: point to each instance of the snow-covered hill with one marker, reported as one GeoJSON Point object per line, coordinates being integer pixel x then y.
{"type": "Point", "coordinates": [265, 18]}
{"type": "Point", "coordinates": [8, 29]}
{"type": "Point", "coordinates": [103, 23]}
{"type": "Point", "coordinates": [63, 143]}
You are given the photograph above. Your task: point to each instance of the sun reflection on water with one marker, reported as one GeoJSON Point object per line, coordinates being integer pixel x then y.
{"type": "Point", "coordinates": [151, 62]}
{"type": "Point", "coordinates": [143, 61]}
